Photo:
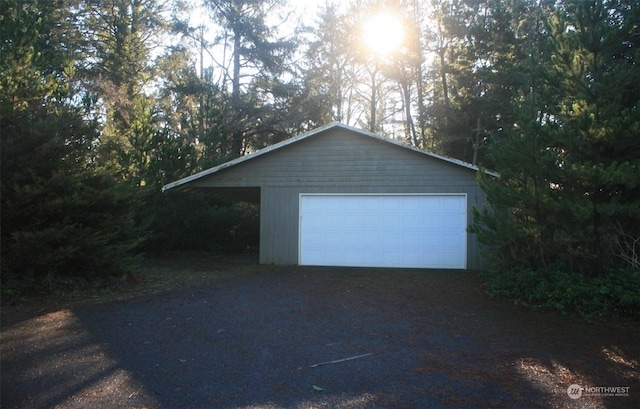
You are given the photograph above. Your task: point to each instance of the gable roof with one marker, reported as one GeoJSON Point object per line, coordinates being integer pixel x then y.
{"type": "Point", "coordinates": [310, 134]}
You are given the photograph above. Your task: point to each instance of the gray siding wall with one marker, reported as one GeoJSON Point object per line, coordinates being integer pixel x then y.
{"type": "Point", "coordinates": [341, 158]}
{"type": "Point", "coordinates": [339, 161]}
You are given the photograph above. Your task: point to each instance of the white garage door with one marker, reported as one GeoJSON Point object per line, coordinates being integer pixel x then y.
{"type": "Point", "coordinates": [426, 231]}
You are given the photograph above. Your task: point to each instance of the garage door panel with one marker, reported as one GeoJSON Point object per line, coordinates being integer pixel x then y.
{"type": "Point", "coordinates": [432, 207]}
{"type": "Point", "coordinates": [353, 223]}
{"type": "Point", "coordinates": [452, 203]}
{"type": "Point", "coordinates": [383, 230]}
{"type": "Point", "coordinates": [432, 242]}
{"type": "Point", "coordinates": [450, 260]}
{"type": "Point", "coordinates": [431, 258]}
{"type": "Point", "coordinates": [315, 241]}
{"type": "Point", "coordinates": [431, 221]}
{"type": "Point", "coordinates": [394, 242]}
{"type": "Point", "coordinates": [452, 242]}
{"type": "Point", "coordinates": [368, 239]}
{"type": "Point", "coordinates": [452, 222]}
{"type": "Point", "coordinates": [408, 222]}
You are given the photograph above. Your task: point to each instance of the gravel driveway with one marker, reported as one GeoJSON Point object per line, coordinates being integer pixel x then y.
{"type": "Point", "coordinates": [430, 339]}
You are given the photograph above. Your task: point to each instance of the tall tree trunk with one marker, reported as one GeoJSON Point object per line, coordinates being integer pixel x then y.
{"type": "Point", "coordinates": [417, 75]}
{"type": "Point", "coordinates": [422, 115]}
{"type": "Point", "coordinates": [236, 134]}
{"type": "Point", "coordinates": [338, 95]}
{"type": "Point", "coordinates": [476, 143]}
{"type": "Point", "coordinates": [443, 79]}
{"type": "Point", "coordinates": [409, 129]}
{"type": "Point", "coordinates": [374, 102]}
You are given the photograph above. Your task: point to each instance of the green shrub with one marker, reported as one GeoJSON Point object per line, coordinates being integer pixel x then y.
{"type": "Point", "coordinates": [615, 293]}
{"type": "Point", "coordinates": [71, 225]}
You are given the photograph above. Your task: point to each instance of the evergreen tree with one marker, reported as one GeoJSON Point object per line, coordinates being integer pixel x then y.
{"type": "Point", "coordinates": [569, 171]}
{"type": "Point", "coordinates": [254, 52]}
{"type": "Point", "coordinates": [121, 37]}
{"type": "Point", "coordinates": [61, 215]}
{"type": "Point", "coordinates": [481, 52]}
{"type": "Point", "coordinates": [328, 58]}
{"type": "Point", "coordinates": [595, 68]}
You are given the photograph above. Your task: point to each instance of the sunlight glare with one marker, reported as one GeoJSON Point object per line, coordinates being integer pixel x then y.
{"type": "Point", "coordinates": [383, 34]}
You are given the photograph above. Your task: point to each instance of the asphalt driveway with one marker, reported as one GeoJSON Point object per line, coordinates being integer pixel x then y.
{"type": "Point", "coordinates": [411, 339]}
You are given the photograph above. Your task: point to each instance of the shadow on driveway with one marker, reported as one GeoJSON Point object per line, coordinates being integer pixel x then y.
{"type": "Point", "coordinates": [249, 342]}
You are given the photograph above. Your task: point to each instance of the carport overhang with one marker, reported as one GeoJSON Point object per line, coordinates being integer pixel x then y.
{"type": "Point", "coordinates": [249, 194]}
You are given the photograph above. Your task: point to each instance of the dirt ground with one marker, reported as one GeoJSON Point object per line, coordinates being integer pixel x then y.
{"type": "Point", "coordinates": [226, 334]}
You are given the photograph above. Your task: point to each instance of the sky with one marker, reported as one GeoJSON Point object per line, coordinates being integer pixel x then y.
{"type": "Point", "coordinates": [306, 10]}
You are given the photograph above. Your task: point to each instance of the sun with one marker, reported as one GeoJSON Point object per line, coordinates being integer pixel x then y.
{"type": "Point", "coordinates": [383, 33]}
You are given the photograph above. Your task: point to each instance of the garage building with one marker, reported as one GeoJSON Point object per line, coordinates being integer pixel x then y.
{"type": "Point", "coordinates": [340, 196]}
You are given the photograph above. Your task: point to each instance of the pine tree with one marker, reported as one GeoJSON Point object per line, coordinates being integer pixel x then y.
{"type": "Point", "coordinates": [121, 37]}
{"type": "Point", "coordinates": [598, 110]}
{"type": "Point", "coordinates": [254, 52]}
{"type": "Point", "coordinates": [329, 59]}
{"type": "Point", "coordinates": [61, 215]}
{"type": "Point", "coordinates": [569, 184]}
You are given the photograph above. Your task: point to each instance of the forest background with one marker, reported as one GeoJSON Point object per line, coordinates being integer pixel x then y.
{"type": "Point", "coordinates": [104, 101]}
